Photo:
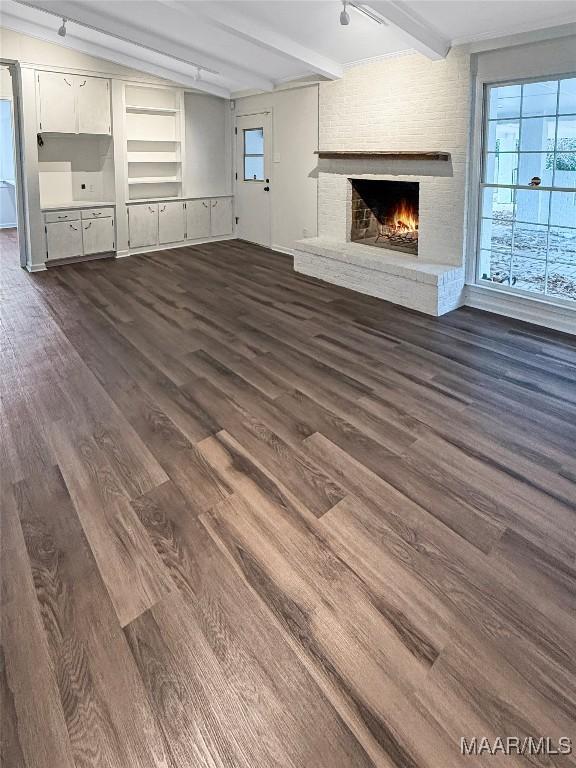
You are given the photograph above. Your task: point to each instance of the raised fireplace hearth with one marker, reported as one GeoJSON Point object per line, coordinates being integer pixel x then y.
{"type": "Point", "coordinates": [385, 214]}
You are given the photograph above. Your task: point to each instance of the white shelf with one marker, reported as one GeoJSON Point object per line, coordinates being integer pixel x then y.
{"type": "Point", "coordinates": [155, 180]}
{"type": "Point", "coordinates": [153, 157]}
{"type": "Point", "coordinates": [150, 110]}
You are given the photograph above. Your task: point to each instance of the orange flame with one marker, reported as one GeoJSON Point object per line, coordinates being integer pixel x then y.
{"type": "Point", "coordinates": [404, 217]}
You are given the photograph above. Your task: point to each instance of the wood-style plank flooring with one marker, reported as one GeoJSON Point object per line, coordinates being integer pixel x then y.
{"type": "Point", "coordinates": [253, 520]}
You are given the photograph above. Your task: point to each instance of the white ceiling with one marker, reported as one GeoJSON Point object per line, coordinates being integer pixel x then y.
{"type": "Point", "coordinates": [257, 44]}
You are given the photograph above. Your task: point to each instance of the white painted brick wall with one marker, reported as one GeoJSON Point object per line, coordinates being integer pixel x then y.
{"type": "Point", "coordinates": [406, 103]}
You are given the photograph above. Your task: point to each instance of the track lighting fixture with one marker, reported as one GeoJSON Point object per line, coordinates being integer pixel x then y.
{"type": "Point", "coordinates": [62, 29]}
{"type": "Point", "coordinates": [363, 9]}
{"type": "Point", "coordinates": [344, 16]}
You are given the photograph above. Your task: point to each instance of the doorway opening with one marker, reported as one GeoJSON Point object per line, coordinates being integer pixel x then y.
{"type": "Point", "coordinates": [12, 250]}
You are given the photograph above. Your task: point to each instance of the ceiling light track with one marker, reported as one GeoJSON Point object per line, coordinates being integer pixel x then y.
{"type": "Point", "coordinates": [199, 67]}
{"type": "Point", "coordinates": [363, 9]}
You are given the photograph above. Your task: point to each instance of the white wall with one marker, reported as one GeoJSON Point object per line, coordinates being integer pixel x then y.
{"type": "Point", "coordinates": [208, 169]}
{"type": "Point", "coordinates": [294, 164]}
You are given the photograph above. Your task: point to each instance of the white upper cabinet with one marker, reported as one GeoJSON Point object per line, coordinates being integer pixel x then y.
{"type": "Point", "coordinates": [73, 104]}
{"type": "Point", "coordinates": [93, 105]}
{"type": "Point", "coordinates": [171, 222]}
{"type": "Point", "coordinates": [56, 102]}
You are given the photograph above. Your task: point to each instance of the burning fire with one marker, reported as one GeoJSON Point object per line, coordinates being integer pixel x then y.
{"type": "Point", "coordinates": [404, 217]}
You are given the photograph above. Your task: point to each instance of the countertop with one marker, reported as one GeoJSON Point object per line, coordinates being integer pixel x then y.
{"type": "Point", "coordinates": [74, 204]}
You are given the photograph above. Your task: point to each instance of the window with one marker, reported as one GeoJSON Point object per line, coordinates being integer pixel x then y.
{"type": "Point", "coordinates": [254, 154]}
{"type": "Point", "coordinates": [527, 237]}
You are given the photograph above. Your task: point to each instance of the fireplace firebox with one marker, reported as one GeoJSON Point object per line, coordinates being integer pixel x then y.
{"type": "Point", "coordinates": [385, 214]}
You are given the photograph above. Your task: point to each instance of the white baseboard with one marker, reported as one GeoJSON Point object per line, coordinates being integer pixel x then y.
{"type": "Point", "coordinates": [36, 267]}
{"type": "Point", "coordinates": [185, 244]}
{"type": "Point", "coordinates": [282, 249]}
{"type": "Point", "coordinates": [549, 314]}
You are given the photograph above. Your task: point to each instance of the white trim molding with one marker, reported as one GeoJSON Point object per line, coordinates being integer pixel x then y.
{"type": "Point", "coordinates": [531, 310]}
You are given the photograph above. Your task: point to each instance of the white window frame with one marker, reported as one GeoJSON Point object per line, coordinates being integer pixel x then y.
{"type": "Point", "coordinates": [479, 131]}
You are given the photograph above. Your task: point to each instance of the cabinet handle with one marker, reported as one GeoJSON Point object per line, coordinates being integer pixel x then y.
{"type": "Point", "coordinates": [83, 84]}
{"type": "Point", "coordinates": [151, 209]}
{"type": "Point", "coordinates": [73, 227]}
{"type": "Point", "coordinates": [67, 83]}
{"type": "Point", "coordinates": [88, 226]}
{"type": "Point", "coordinates": [162, 209]}
{"type": "Point", "coordinates": [214, 203]}
{"type": "Point", "coordinates": [63, 217]}
{"type": "Point", "coordinates": [97, 213]}
{"type": "Point", "coordinates": [205, 204]}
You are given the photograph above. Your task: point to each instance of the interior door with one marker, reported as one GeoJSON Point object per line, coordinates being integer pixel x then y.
{"type": "Point", "coordinates": [93, 105]}
{"type": "Point", "coordinates": [57, 96]}
{"type": "Point", "coordinates": [253, 181]}
{"type": "Point", "coordinates": [170, 222]}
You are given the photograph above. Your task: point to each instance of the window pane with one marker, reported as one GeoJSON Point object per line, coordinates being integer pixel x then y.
{"type": "Point", "coordinates": [254, 141]}
{"type": "Point", "coordinates": [503, 135]}
{"type": "Point", "coordinates": [538, 134]}
{"type": "Point", "coordinates": [529, 275]}
{"type": "Point", "coordinates": [496, 236]}
{"type": "Point", "coordinates": [253, 169]}
{"type": "Point", "coordinates": [562, 247]}
{"type": "Point", "coordinates": [501, 168]}
{"type": "Point", "coordinates": [567, 97]}
{"type": "Point", "coordinates": [530, 241]}
{"type": "Point", "coordinates": [561, 282]}
{"type": "Point", "coordinates": [563, 209]}
{"type": "Point", "coordinates": [539, 98]}
{"type": "Point", "coordinates": [498, 203]}
{"type": "Point", "coordinates": [496, 267]}
{"type": "Point", "coordinates": [565, 174]}
{"type": "Point", "coordinates": [535, 165]}
{"type": "Point", "coordinates": [566, 141]}
{"type": "Point", "coordinates": [532, 206]}
{"type": "Point", "coordinates": [505, 101]}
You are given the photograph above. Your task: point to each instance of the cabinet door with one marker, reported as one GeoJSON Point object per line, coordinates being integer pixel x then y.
{"type": "Point", "coordinates": [64, 239]}
{"type": "Point", "coordinates": [197, 219]}
{"type": "Point", "coordinates": [143, 225]}
{"type": "Point", "coordinates": [170, 222]}
{"type": "Point", "coordinates": [93, 105]}
{"type": "Point", "coordinates": [98, 235]}
{"type": "Point", "coordinates": [221, 217]}
{"type": "Point", "coordinates": [57, 103]}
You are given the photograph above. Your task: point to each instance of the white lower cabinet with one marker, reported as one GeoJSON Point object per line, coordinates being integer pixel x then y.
{"type": "Point", "coordinates": [64, 239]}
{"type": "Point", "coordinates": [171, 223]}
{"type": "Point", "coordinates": [143, 225]}
{"type": "Point", "coordinates": [221, 217]}
{"type": "Point", "coordinates": [197, 219]}
{"type": "Point", "coordinates": [98, 235]}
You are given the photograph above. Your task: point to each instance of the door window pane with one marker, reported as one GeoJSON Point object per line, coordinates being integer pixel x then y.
{"type": "Point", "coordinates": [253, 168]}
{"type": "Point", "coordinates": [254, 154]}
{"type": "Point", "coordinates": [539, 98]}
{"type": "Point", "coordinates": [254, 141]}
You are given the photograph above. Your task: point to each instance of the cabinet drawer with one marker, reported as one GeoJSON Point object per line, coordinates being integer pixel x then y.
{"type": "Point", "coordinates": [54, 216]}
{"type": "Point", "coordinates": [97, 213]}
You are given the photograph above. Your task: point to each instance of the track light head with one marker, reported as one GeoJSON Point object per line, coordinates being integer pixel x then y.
{"type": "Point", "coordinates": [344, 16]}
{"type": "Point", "coordinates": [62, 29]}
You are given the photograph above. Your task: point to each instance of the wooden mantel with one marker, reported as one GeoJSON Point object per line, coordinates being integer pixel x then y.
{"type": "Point", "coordinates": [332, 154]}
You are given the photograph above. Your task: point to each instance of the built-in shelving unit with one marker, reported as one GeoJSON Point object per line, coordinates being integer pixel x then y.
{"type": "Point", "coordinates": [154, 141]}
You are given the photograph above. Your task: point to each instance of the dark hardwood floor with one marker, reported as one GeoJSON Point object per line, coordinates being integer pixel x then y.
{"type": "Point", "coordinates": [253, 520]}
